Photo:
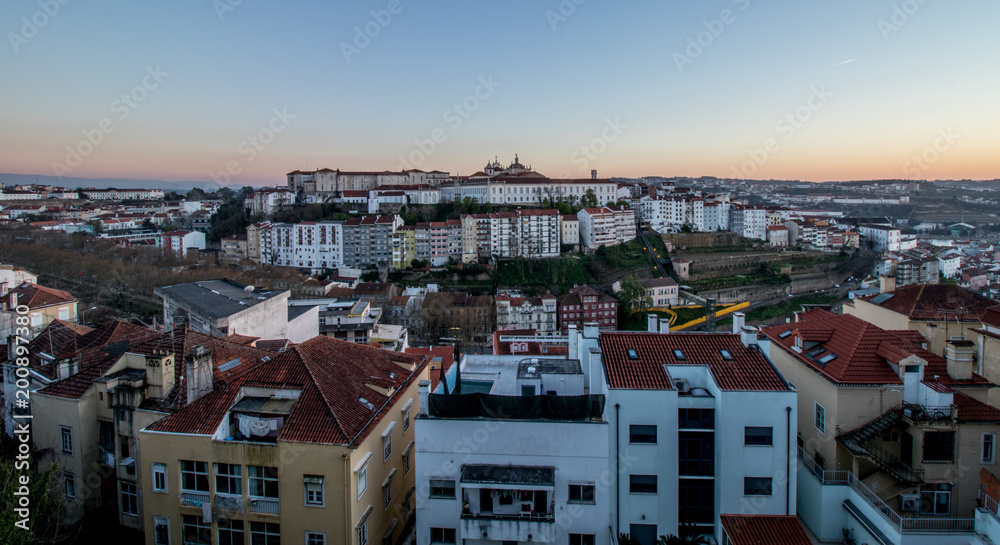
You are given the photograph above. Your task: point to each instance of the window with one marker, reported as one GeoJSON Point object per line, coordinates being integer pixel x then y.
{"type": "Point", "coordinates": [406, 462]}
{"type": "Point", "coordinates": [159, 477]}
{"type": "Point", "coordinates": [161, 531]}
{"type": "Point", "coordinates": [679, 355]}
{"type": "Point", "coordinates": [362, 480]}
{"type": "Point", "coordinates": [228, 479]}
{"type": "Point", "coordinates": [441, 488]}
{"type": "Point", "coordinates": [756, 486]}
{"type": "Point", "coordinates": [129, 499]}
{"type": "Point", "coordinates": [387, 492]}
{"type": "Point", "coordinates": [696, 500]}
{"type": "Point", "coordinates": [989, 448]}
{"type": "Point", "coordinates": [642, 484]}
{"type": "Point", "coordinates": [726, 355]}
{"type": "Point", "coordinates": [936, 501]}
{"type": "Point", "coordinates": [230, 532]}
{"type": "Point", "coordinates": [263, 481]}
{"type": "Point", "coordinates": [313, 485]}
{"type": "Point", "coordinates": [265, 533]}
{"type": "Point", "coordinates": [67, 439]}
{"type": "Point", "coordinates": [696, 453]}
{"type": "Point", "coordinates": [632, 354]}
{"type": "Point", "coordinates": [581, 493]}
{"type": "Point", "coordinates": [581, 539]}
{"type": "Point", "coordinates": [641, 433]}
{"type": "Point", "coordinates": [820, 420]}
{"type": "Point", "coordinates": [406, 419]}
{"type": "Point", "coordinates": [386, 445]}
{"type": "Point", "coordinates": [442, 535]}
{"type": "Point", "coordinates": [363, 531]}
{"type": "Point", "coordinates": [527, 391]}
{"type": "Point", "coordinates": [758, 436]}
{"type": "Point", "coordinates": [194, 476]}
{"type": "Point", "coordinates": [315, 538]}
{"type": "Point", "coordinates": [195, 531]}
{"type": "Point", "coordinates": [939, 446]}
{"type": "Point", "coordinates": [69, 485]}
{"type": "Point", "coordinates": [696, 419]}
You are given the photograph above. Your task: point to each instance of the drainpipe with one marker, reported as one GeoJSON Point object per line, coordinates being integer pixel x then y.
{"type": "Point", "coordinates": [618, 473]}
{"type": "Point", "coordinates": [788, 460]}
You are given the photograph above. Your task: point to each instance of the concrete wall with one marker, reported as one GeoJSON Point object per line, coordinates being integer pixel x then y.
{"type": "Point", "coordinates": [267, 319]}
{"type": "Point", "coordinates": [578, 450]}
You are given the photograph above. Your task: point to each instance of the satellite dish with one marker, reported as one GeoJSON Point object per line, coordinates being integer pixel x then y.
{"type": "Point", "coordinates": [248, 289]}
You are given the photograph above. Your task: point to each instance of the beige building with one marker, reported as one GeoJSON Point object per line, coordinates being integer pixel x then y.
{"type": "Point", "coordinates": [289, 452]}
{"type": "Point", "coordinates": [911, 426]}
{"type": "Point", "coordinates": [988, 349]}
{"type": "Point", "coordinates": [125, 379]}
{"type": "Point", "coordinates": [234, 249]}
{"type": "Point", "coordinates": [660, 292]}
{"type": "Point", "coordinates": [257, 234]}
{"type": "Point", "coordinates": [940, 313]}
{"type": "Point", "coordinates": [42, 305]}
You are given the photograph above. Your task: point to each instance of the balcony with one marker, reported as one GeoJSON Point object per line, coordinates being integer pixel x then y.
{"type": "Point", "coordinates": [508, 528]}
{"type": "Point", "coordinates": [264, 506]}
{"type": "Point", "coordinates": [923, 415]}
{"type": "Point", "coordinates": [193, 499]}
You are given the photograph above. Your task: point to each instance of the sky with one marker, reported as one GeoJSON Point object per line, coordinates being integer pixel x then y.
{"type": "Point", "coordinates": [244, 91]}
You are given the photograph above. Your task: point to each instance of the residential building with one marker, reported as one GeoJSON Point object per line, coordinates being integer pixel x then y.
{"type": "Point", "coordinates": [88, 422]}
{"type": "Point", "coordinates": [777, 236]}
{"type": "Point", "coordinates": [515, 311]}
{"type": "Point", "coordinates": [660, 292]}
{"type": "Point", "coordinates": [902, 426]}
{"type": "Point", "coordinates": [265, 202]}
{"type": "Point", "coordinates": [257, 239]}
{"type": "Point", "coordinates": [570, 229]}
{"type": "Point", "coordinates": [112, 194]}
{"type": "Point", "coordinates": [883, 239]}
{"type": "Point", "coordinates": [289, 452]}
{"type": "Point", "coordinates": [351, 320]}
{"type": "Point", "coordinates": [987, 341]}
{"type": "Point", "coordinates": [451, 314]}
{"type": "Point", "coordinates": [597, 227]}
{"type": "Point", "coordinates": [748, 221]}
{"type": "Point", "coordinates": [234, 249]}
{"type": "Point", "coordinates": [539, 477]}
{"type": "Point", "coordinates": [224, 307]}
{"type": "Point", "coordinates": [702, 427]}
{"type": "Point", "coordinates": [583, 305]}
{"type": "Point", "coordinates": [179, 243]}
{"type": "Point", "coordinates": [39, 304]}
{"type": "Point", "coordinates": [368, 241]}
{"type": "Point", "coordinates": [404, 247]}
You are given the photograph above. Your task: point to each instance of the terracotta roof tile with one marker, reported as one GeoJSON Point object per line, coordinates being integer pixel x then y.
{"type": "Point", "coordinates": [856, 351]}
{"type": "Point", "coordinates": [937, 302]}
{"type": "Point", "coordinates": [764, 530]}
{"type": "Point", "coordinates": [332, 376]}
{"type": "Point", "coordinates": [972, 410]}
{"type": "Point", "coordinates": [747, 369]}
{"type": "Point", "coordinates": [35, 296]}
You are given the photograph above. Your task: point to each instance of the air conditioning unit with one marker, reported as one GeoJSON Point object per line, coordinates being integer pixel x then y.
{"type": "Point", "coordinates": [683, 386]}
{"type": "Point", "coordinates": [909, 502]}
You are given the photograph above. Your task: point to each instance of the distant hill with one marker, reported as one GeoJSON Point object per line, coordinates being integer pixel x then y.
{"type": "Point", "coordinates": [120, 183]}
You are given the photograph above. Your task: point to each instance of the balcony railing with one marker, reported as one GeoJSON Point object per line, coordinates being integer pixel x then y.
{"type": "Point", "coordinates": [264, 506]}
{"type": "Point", "coordinates": [530, 516]}
{"type": "Point", "coordinates": [920, 413]}
{"type": "Point", "coordinates": [904, 525]}
{"type": "Point", "coordinates": [193, 499]}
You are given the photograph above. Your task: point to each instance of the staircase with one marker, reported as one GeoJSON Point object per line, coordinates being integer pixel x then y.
{"type": "Point", "coordinates": [862, 442]}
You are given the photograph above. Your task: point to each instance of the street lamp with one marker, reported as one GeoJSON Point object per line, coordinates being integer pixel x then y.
{"type": "Point", "coordinates": [83, 313]}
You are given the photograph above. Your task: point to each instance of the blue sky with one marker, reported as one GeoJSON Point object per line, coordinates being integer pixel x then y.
{"type": "Point", "coordinates": [624, 88]}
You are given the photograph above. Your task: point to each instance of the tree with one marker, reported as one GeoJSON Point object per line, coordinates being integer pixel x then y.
{"type": "Point", "coordinates": [43, 523]}
{"type": "Point", "coordinates": [625, 539]}
{"type": "Point", "coordinates": [631, 297]}
{"type": "Point", "coordinates": [196, 194]}
{"type": "Point", "coordinates": [589, 199]}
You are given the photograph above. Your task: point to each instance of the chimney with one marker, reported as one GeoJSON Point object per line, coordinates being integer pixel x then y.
{"type": "Point", "coordinates": [960, 354]}
{"type": "Point", "coordinates": [738, 320]}
{"type": "Point", "coordinates": [573, 342]}
{"type": "Point", "coordinates": [887, 283]}
{"type": "Point", "coordinates": [198, 369]}
{"type": "Point", "coordinates": [593, 174]}
{"type": "Point", "coordinates": [423, 392]}
{"type": "Point", "coordinates": [664, 325]}
{"type": "Point", "coordinates": [652, 323]}
{"type": "Point", "coordinates": [590, 330]}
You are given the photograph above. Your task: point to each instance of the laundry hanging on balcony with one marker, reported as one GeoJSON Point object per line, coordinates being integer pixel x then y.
{"type": "Point", "coordinates": [251, 425]}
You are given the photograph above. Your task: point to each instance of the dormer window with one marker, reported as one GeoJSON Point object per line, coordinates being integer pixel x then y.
{"type": "Point", "coordinates": [798, 342]}
{"type": "Point", "coordinates": [259, 418]}
{"type": "Point", "coordinates": [911, 368]}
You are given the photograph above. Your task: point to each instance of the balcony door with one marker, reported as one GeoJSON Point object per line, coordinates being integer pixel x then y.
{"type": "Point", "coordinates": [485, 500]}
{"type": "Point", "coordinates": [906, 448]}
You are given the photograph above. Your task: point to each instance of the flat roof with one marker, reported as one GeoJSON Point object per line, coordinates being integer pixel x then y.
{"type": "Point", "coordinates": [216, 298]}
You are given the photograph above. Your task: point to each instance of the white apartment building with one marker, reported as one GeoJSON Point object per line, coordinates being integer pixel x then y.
{"type": "Point", "coordinates": [606, 226]}
{"type": "Point", "coordinates": [748, 221]}
{"type": "Point", "coordinates": [179, 242]}
{"type": "Point", "coordinates": [538, 476]}
{"type": "Point", "coordinates": [570, 227]}
{"type": "Point", "coordinates": [716, 216]}
{"type": "Point", "coordinates": [884, 239]}
{"type": "Point", "coordinates": [522, 233]}
{"type": "Point", "coordinates": [514, 311]}
{"type": "Point", "coordinates": [949, 263]}
{"type": "Point", "coordinates": [704, 427]}
{"type": "Point", "coordinates": [112, 194]}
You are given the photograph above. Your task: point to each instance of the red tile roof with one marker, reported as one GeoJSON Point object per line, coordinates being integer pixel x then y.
{"type": "Point", "coordinates": [764, 530]}
{"type": "Point", "coordinates": [35, 296]}
{"type": "Point", "coordinates": [447, 355]}
{"type": "Point", "coordinates": [747, 370]}
{"type": "Point", "coordinates": [332, 376]}
{"type": "Point", "coordinates": [972, 410]}
{"type": "Point", "coordinates": [861, 349]}
{"type": "Point", "coordinates": [992, 316]}
{"type": "Point", "coordinates": [935, 302]}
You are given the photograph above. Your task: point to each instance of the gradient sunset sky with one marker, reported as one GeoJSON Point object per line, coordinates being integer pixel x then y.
{"type": "Point", "coordinates": [874, 89]}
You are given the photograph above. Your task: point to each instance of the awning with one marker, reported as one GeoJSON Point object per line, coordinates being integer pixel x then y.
{"type": "Point", "coordinates": [535, 476]}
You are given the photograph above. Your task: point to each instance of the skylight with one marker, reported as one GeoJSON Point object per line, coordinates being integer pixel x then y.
{"type": "Point", "coordinates": [827, 358]}
{"type": "Point", "coordinates": [632, 354]}
{"type": "Point", "coordinates": [679, 355]}
{"type": "Point", "coordinates": [726, 355]}
{"type": "Point", "coordinates": [816, 351]}
{"type": "Point", "coordinates": [230, 364]}
{"type": "Point", "coordinates": [785, 334]}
